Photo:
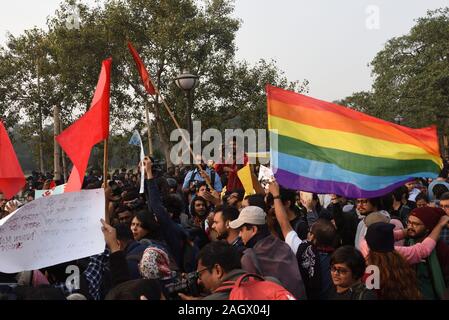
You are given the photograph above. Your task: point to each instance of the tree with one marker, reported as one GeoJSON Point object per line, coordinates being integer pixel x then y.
{"type": "Point", "coordinates": [411, 76]}
{"type": "Point", "coordinates": [170, 35]}
{"type": "Point", "coordinates": [362, 101]}
{"type": "Point", "coordinates": [412, 71]}
{"type": "Point", "coordinates": [28, 84]}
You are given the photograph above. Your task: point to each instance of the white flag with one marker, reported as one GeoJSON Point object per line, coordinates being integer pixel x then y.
{"type": "Point", "coordinates": [137, 141]}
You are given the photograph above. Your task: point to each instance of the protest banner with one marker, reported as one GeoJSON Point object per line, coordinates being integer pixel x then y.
{"type": "Point", "coordinates": [52, 230]}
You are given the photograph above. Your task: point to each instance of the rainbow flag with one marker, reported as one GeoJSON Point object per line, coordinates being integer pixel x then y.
{"type": "Point", "coordinates": [326, 148]}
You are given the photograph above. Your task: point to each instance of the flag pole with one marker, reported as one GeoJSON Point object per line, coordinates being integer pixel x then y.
{"type": "Point", "coordinates": [182, 133]}
{"type": "Point", "coordinates": [154, 90]}
{"type": "Point", "coordinates": [105, 177]}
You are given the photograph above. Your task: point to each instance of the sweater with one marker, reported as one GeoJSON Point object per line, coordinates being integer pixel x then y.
{"type": "Point", "coordinates": [412, 254]}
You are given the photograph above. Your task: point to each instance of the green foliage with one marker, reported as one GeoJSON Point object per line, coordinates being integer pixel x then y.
{"type": "Point", "coordinates": [412, 75]}
{"type": "Point", "coordinates": [170, 35]}
{"type": "Point", "coordinates": [412, 72]}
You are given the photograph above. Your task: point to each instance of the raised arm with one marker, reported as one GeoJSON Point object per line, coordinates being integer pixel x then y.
{"type": "Point", "coordinates": [279, 209]}
{"type": "Point", "coordinates": [117, 258]}
{"type": "Point", "coordinates": [170, 230]}
{"type": "Point", "coordinates": [421, 250]}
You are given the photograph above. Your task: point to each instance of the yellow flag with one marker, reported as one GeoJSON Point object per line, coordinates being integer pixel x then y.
{"type": "Point", "coordinates": [244, 175]}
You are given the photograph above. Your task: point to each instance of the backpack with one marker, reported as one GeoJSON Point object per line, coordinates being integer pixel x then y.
{"type": "Point", "coordinates": [254, 287]}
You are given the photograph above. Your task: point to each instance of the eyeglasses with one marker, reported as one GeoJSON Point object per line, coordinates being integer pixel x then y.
{"type": "Point", "coordinates": [198, 272]}
{"type": "Point", "coordinates": [364, 201]}
{"type": "Point", "coordinates": [444, 206]}
{"type": "Point", "coordinates": [341, 271]}
{"type": "Point", "coordinates": [414, 224]}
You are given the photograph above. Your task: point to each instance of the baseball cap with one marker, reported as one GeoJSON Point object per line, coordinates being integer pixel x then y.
{"type": "Point", "coordinates": [251, 215]}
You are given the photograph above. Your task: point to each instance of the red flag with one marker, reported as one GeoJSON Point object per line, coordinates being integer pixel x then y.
{"type": "Point", "coordinates": [93, 127]}
{"type": "Point", "coordinates": [142, 70]}
{"type": "Point", "coordinates": [12, 178]}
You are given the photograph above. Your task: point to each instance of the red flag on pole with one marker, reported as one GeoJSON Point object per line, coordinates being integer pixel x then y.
{"type": "Point", "coordinates": [78, 139]}
{"type": "Point", "coordinates": [142, 70]}
{"type": "Point", "coordinates": [12, 178]}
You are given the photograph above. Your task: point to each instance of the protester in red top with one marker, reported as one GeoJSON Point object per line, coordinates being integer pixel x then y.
{"type": "Point", "coordinates": [234, 182]}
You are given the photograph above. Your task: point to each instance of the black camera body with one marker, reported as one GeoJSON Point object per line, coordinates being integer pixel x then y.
{"type": "Point", "coordinates": [186, 283]}
{"type": "Point", "coordinates": [158, 167]}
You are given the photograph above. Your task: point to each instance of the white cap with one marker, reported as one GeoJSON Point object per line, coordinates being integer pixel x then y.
{"type": "Point", "coordinates": [251, 215]}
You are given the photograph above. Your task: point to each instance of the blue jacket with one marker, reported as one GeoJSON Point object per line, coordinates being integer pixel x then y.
{"type": "Point", "coordinates": [172, 233]}
{"type": "Point", "coordinates": [133, 252]}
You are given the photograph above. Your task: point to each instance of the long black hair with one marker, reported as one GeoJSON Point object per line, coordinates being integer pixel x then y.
{"type": "Point", "coordinates": [148, 222]}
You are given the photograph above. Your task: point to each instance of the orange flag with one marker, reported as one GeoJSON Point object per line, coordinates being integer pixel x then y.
{"type": "Point", "coordinates": [78, 139]}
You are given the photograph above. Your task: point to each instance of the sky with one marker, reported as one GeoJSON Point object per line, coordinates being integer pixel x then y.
{"type": "Point", "coordinates": [327, 42]}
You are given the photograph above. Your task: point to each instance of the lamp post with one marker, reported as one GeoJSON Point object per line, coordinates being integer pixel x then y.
{"type": "Point", "coordinates": [398, 119]}
{"type": "Point", "coordinates": [187, 82]}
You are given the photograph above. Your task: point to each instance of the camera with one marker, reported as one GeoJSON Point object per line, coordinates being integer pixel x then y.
{"type": "Point", "coordinates": [182, 283]}
{"type": "Point", "coordinates": [158, 167]}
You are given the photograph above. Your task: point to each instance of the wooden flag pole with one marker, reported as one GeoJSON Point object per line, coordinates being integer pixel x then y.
{"type": "Point", "coordinates": [154, 90]}
{"type": "Point", "coordinates": [105, 178]}
{"type": "Point", "coordinates": [182, 133]}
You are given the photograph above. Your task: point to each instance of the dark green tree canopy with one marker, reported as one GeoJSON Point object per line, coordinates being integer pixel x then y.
{"type": "Point", "coordinates": [40, 69]}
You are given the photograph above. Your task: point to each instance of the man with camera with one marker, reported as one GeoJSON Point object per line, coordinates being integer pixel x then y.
{"type": "Point", "coordinates": [219, 272]}
{"type": "Point", "coordinates": [217, 262]}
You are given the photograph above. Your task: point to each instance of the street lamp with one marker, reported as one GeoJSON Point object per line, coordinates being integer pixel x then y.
{"type": "Point", "coordinates": [398, 119]}
{"type": "Point", "coordinates": [187, 82]}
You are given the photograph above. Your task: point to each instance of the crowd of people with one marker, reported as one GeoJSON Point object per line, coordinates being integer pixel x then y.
{"type": "Point", "coordinates": [195, 234]}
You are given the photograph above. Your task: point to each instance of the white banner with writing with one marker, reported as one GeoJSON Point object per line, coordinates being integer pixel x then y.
{"type": "Point", "coordinates": [52, 230]}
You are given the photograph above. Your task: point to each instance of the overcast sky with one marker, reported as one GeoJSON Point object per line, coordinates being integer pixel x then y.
{"type": "Point", "coordinates": [328, 42]}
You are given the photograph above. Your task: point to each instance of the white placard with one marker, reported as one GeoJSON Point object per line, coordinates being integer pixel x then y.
{"type": "Point", "coordinates": [265, 176]}
{"type": "Point", "coordinates": [52, 230]}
